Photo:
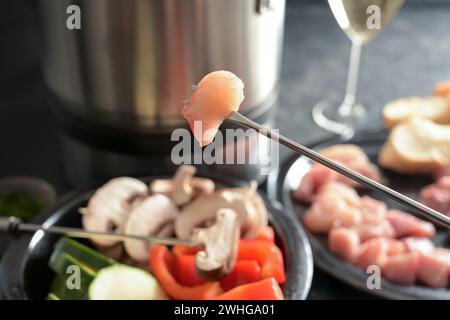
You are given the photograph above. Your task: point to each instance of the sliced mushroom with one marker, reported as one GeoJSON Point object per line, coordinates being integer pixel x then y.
{"type": "Point", "coordinates": [149, 218]}
{"type": "Point", "coordinates": [109, 207]}
{"type": "Point", "coordinates": [259, 216]}
{"type": "Point", "coordinates": [183, 187]}
{"type": "Point", "coordinates": [221, 245]}
{"type": "Point", "coordinates": [245, 201]}
{"type": "Point", "coordinates": [203, 209]}
{"type": "Point", "coordinates": [167, 230]}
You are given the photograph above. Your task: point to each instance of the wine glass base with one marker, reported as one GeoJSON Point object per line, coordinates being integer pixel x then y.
{"type": "Point", "coordinates": [331, 117]}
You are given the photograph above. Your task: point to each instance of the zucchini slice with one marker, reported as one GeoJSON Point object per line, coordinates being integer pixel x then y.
{"type": "Point", "coordinates": [87, 256]}
{"type": "Point", "coordinates": [61, 285]}
{"type": "Point", "coordinates": [122, 282]}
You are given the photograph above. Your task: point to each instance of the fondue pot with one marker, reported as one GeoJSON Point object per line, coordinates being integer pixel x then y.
{"type": "Point", "coordinates": [120, 78]}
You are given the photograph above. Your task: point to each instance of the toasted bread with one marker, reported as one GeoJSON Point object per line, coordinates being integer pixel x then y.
{"type": "Point", "coordinates": [417, 146]}
{"type": "Point", "coordinates": [435, 108]}
{"type": "Point", "coordinates": [442, 89]}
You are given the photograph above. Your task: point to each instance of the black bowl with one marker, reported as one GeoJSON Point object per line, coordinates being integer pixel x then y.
{"type": "Point", "coordinates": [24, 273]}
{"type": "Point", "coordinates": [290, 173]}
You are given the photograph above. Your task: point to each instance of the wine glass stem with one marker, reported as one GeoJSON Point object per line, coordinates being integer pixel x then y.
{"type": "Point", "coordinates": [349, 104]}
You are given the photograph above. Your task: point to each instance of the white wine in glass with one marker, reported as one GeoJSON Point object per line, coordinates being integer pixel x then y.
{"type": "Point", "coordinates": [361, 20]}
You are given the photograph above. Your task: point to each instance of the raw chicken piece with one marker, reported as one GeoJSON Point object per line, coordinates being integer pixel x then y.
{"type": "Point", "coordinates": [344, 243]}
{"type": "Point", "coordinates": [407, 225]}
{"type": "Point", "coordinates": [331, 211]}
{"type": "Point", "coordinates": [366, 169]}
{"type": "Point", "coordinates": [416, 244]}
{"type": "Point", "coordinates": [433, 270]}
{"type": "Point", "coordinates": [372, 208]}
{"type": "Point", "coordinates": [445, 255]}
{"type": "Point", "coordinates": [348, 194]}
{"type": "Point", "coordinates": [317, 220]}
{"type": "Point", "coordinates": [402, 268]}
{"type": "Point", "coordinates": [375, 229]}
{"type": "Point", "coordinates": [374, 223]}
{"type": "Point", "coordinates": [316, 177]}
{"type": "Point", "coordinates": [354, 158]}
{"type": "Point", "coordinates": [217, 95]}
{"type": "Point", "coordinates": [349, 155]}
{"type": "Point", "coordinates": [376, 251]}
{"type": "Point", "coordinates": [335, 205]}
{"type": "Point", "coordinates": [437, 195]}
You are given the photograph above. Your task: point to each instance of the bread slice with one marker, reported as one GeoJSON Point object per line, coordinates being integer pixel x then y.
{"type": "Point", "coordinates": [435, 108]}
{"type": "Point", "coordinates": [416, 146]}
{"type": "Point", "coordinates": [442, 89]}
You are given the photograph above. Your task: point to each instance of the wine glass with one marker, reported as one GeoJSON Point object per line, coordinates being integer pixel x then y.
{"type": "Point", "coordinates": [361, 20]}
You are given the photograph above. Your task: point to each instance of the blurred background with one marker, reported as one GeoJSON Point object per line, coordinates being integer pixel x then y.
{"type": "Point", "coordinates": [406, 59]}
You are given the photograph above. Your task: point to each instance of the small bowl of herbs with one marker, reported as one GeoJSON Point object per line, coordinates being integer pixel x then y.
{"type": "Point", "coordinates": [23, 197]}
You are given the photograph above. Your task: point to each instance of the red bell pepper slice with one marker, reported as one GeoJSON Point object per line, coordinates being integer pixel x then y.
{"type": "Point", "coordinates": [161, 263]}
{"type": "Point", "coordinates": [185, 271]}
{"type": "Point", "coordinates": [266, 233]}
{"type": "Point", "coordinates": [244, 271]}
{"type": "Point", "coordinates": [182, 250]}
{"type": "Point", "coordinates": [267, 289]}
{"type": "Point", "coordinates": [268, 256]}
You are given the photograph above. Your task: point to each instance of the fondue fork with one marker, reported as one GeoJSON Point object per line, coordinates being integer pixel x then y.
{"type": "Point", "coordinates": [421, 209]}
{"type": "Point", "coordinates": [15, 225]}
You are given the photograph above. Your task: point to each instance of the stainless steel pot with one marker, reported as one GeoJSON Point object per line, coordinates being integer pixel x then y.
{"type": "Point", "coordinates": [132, 62]}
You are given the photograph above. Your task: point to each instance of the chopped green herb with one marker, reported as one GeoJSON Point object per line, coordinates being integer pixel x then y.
{"type": "Point", "coordinates": [20, 204]}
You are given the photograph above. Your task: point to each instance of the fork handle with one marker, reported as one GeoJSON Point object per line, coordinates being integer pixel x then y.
{"type": "Point", "coordinates": [10, 224]}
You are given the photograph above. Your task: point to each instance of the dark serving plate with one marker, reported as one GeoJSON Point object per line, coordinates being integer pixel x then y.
{"type": "Point", "coordinates": [287, 177]}
{"type": "Point", "coordinates": [24, 273]}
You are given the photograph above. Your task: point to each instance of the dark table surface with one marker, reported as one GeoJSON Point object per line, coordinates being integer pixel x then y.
{"type": "Point", "coordinates": [406, 59]}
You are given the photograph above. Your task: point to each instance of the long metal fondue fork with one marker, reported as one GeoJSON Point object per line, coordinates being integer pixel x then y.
{"type": "Point", "coordinates": [416, 206]}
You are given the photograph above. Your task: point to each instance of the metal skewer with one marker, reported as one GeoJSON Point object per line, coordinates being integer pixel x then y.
{"type": "Point", "coordinates": [15, 225]}
{"type": "Point", "coordinates": [315, 156]}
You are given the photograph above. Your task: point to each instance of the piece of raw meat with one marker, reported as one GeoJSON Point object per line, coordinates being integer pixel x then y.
{"type": "Point", "coordinates": [402, 268]}
{"type": "Point", "coordinates": [375, 229]}
{"type": "Point", "coordinates": [372, 209]}
{"type": "Point", "coordinates": [344, 243]}
{"type": "Point", "coordinates": [433, 270]}
{"type": "Point", "coordinates": [374, 223]}
{"type": "Point", "coordinates": [422, 245]}
{"type": "Point", "coordinates": [407, 225]}
{"type": "Point", "coordinates": [217, 95]}
{"type": "Point", "coordinates": [316, 177]}
{"type": "Point", "coordinates": [437, 195]}
{"type": "Point", "coordinates": [348, 155]}
{"type": "Point", "coordinates": [336, 205]}
{"type": "Point", "coordinates": [376, 251]}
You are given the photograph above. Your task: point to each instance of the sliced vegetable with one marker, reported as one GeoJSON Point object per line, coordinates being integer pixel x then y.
{"type": "Point", "coordinates": [65, 285]}
{"type": "Point", "coordinates": [60, 289]}
{"type": "Point", "coordinates": [268, 256]}
{"type": "Point", "coordinates": [162, 262]}
{"type": "Point", "coordinates": [186, 272]}
{"type": "Point", "coordinates": [122, 282]}
{"type": "Point", "coordinates": [267, 289]}
{"type": "Point", "coordinates": [245, 271]}
{"type": "Point", "coordinates": [88, 256]}
{"type": "Point", "coordinates": [266, 233]}
{"type": "Point", "coordinates": [182, 250]}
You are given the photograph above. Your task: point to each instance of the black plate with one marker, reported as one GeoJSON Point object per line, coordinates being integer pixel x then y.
{"type": "Point", "coordinates": [24, 273]}
{"type": "Point", "coordinates": [282, 181]}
